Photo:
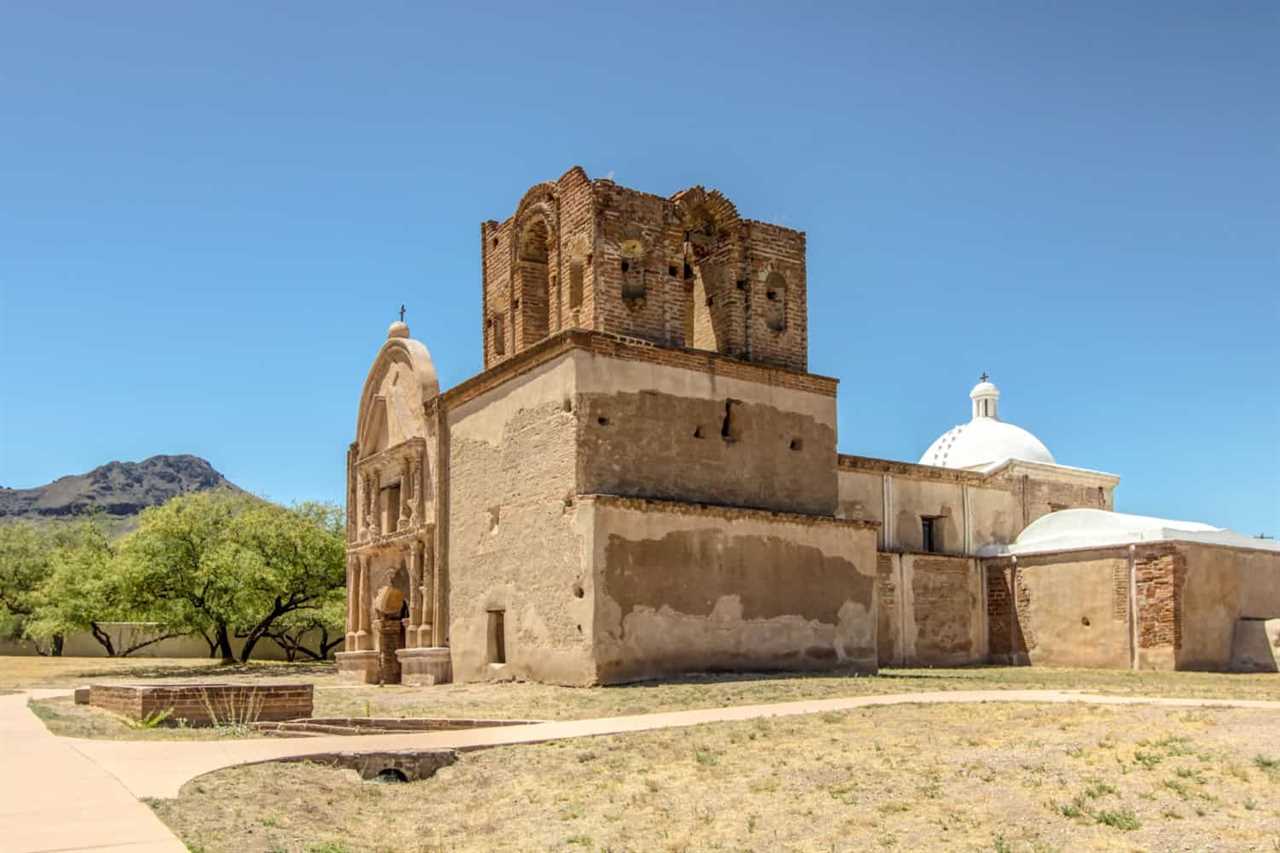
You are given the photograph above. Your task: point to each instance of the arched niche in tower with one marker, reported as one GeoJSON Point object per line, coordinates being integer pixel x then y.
{"type": "Point", "coordinates": [533, 279]}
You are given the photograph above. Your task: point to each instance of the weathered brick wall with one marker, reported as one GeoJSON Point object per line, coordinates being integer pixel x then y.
{"type": "Point", "coordinates": [1001, 619]}
{"type": "Point", "coordinates": [684, 271]}
{"type": "Point", "coordinates": [777, 315]}
{"type": "Point", "coordinates": [1043, 496]}
{"type": "Point", "coordinates": [888, 626]}
{"type": "Point", "coordinates": [527, 265]}
{"type": "Point", "coordinates": [1158, 574]}
{"type": "Point", "coordinates": [945, 608]}
{"type": "Point", "coordinates": [205, 704]}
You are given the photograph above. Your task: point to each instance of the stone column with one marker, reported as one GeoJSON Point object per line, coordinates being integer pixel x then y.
{"type": "Point", "coordinates": [415, 594]}
{"type": "Point", "coordinates": [362, 632]}
{"type": "Point", "coordinates": [406, 495]}
{"type": "Point", "coordinates": [411, 497]}
{"type": "Point", "coordinates": [375, 510]}
{"type": "Point", "coordinates": [358, 510]}
{"type": "Point", "coordinates": [427, 576]}
{"type": "Point", "coordinates": [353, 593]}
{"type": "Point", "coordinates": [366, 508]}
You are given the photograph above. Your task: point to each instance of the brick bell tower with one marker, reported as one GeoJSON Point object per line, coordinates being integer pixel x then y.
{"type": "Point", "coordinates": [682, 271]}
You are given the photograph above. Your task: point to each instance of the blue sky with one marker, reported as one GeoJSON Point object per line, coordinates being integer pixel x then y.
{"type": "Point", "coordinates": [209, 214]}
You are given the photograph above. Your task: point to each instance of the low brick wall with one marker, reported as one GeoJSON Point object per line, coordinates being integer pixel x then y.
{"type": "Point", "coordinates": [205, 704]}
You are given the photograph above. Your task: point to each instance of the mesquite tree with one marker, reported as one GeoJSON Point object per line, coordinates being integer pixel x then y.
{"type": "Point", "coordinates": [226, 565]}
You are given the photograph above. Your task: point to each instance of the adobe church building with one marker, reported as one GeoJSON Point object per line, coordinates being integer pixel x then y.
{"type": "Point", "coordinates": [644, 482]}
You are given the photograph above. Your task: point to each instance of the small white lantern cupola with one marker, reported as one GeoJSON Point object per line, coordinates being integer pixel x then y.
{"type": "Point", "coordinates": [986, 398]}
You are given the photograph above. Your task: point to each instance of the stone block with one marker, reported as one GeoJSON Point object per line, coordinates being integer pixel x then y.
{"type": "Point", "coordinates": [82, 695]}
{"type": "Point", "coordinates": [360, 667]}
{"type": "Point", "coordinates": [425, 666]}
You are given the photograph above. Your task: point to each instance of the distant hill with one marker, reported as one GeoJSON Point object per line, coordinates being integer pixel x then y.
{"type": "Point", "coordinates": [118, 489]}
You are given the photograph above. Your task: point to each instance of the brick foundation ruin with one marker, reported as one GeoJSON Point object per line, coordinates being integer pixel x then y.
{"type": "Point", "coordinates": [205, 704]}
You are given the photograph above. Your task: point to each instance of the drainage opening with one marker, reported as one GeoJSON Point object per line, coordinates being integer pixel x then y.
{"type": "Point", "coordinates": [390, 776]}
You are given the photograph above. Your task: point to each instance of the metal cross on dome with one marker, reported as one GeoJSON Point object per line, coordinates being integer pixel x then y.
{"type": "Point", "coordinates": [983, 378]}
{"type": "Point", "coordinates": [401, 313]}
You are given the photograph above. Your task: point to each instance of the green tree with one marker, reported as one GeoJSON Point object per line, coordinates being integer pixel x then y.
{"type": "Point", "coordinates": [85, 589]}
{"type": "Point", "coordinates": [26, 561]}
{"type": "Point", "coordinates": [225, 564]}
{"type": "Point", "coordinates": [315, 633]}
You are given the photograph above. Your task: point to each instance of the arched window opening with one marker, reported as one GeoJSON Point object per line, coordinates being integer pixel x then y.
{"type": "Point", "coordinates": [775, 307]}
{"type": "Point", "coordinates": [533, 283]}
{"type": "Point", "coordinates": [497, 335]}
{"type": "Point", "coordinates": [632, 266]}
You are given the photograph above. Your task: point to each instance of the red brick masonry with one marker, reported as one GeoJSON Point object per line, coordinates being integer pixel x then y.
{"type": "Point", "coordinates": [206, 704]}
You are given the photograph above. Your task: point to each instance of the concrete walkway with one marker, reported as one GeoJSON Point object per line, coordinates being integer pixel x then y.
{"type": "Point", "coordinates": [53, 797]}
{"type": "Point", "coordinates": [60, 794]}
{"type": "Point", "coordinates": [155, 769]}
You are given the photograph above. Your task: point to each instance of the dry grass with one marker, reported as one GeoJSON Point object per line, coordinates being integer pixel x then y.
{"type": "Point", "coordinates": [1003, 777]}
{"type": "Point", "coordinates": [66, 719]}
{"type": "Point", "coordinates": [541, 701]}
{"type": "Point", "coordinates": [33, 671]}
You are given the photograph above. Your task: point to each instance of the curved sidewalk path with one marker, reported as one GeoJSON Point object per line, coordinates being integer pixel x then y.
{"type": "Point", "coordinates": [75, 794]}
{"type": "Point", "coordinates": [53, 797]}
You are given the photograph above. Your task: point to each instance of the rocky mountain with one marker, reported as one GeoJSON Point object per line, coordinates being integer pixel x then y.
{"type": "Point", "coordinates": [119, 489]}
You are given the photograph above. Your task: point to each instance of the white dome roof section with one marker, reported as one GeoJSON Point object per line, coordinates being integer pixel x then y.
{"type": "Point", "coordinates": [985, 439]}
{"type": "Point", "coordinates": [1075, 529]}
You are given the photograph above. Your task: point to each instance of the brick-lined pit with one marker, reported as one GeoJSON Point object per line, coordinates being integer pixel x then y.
{"type": "Point", "coordinates": [205, 704]}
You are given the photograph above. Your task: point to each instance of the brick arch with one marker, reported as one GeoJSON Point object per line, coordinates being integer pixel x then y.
{"type": "Point", "coordinates": [713, 256]}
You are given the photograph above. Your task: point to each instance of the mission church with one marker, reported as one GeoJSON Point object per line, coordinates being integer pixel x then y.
{"type": "Point", "coordinates": [644, 481]}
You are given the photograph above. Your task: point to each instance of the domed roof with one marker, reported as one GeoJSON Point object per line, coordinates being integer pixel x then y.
{"type": "Point", "coordinates": [985, 438]}
{"type": "Point", "coordinates": [1084, 527]}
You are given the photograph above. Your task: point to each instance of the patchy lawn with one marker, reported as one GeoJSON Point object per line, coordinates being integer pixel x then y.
{"type": "Point", "coordinates": [1002, 777]}
{"type": "Point", "coordinates": [63, 717]}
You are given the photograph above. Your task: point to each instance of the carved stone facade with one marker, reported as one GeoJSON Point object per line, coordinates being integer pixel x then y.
{"type": "Point", "coordinates": [395, 603]}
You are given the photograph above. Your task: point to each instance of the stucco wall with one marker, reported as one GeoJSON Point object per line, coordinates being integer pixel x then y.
{"type": "Point", "coordinates": [931, 610]}
{"type": "Point", "coordinates": [974, 508]}
{"type": "Point", "coordinates": [515, 543]}
{"type": "Point", "coordinates": [653, 430]}
{"type": "Point", "coordinates": [1066, 609]}
{"type": "Point", "coordinates": [683, 588]}
{"type": "Point", "coordinates": [1222, 585]}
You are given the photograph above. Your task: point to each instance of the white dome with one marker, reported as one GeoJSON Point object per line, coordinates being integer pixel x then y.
{"type": "Point", "coordinates": [986, 438]}
{"type": "Point", "coordinates": [1083, 528]}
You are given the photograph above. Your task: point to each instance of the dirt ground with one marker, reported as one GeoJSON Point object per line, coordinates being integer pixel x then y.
{"type": "Point", "coordinates": [968, 777]}
{"type": "Point", "coordinates": [513, 700]}
{"type": "Point", "coordinates": [21, 671]}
